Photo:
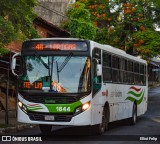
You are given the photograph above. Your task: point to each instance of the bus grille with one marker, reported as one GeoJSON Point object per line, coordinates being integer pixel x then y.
{"type": "Point", "coordinates": [51, 100]}
{"type": "Point", "coordinates": [57, 117]}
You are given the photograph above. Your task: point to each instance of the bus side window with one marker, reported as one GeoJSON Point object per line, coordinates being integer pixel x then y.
{"type": "Point", "coordinates": [97, 80]}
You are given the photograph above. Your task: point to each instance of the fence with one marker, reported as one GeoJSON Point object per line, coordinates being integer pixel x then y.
{"type": "Point", "coordinates": [7, 86]}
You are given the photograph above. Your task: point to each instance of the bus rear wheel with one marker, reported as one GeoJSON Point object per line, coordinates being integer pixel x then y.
{"type": "Point", "coordinates": [45, 129]}
{"type": "Point", "coordinates": [133, 119]}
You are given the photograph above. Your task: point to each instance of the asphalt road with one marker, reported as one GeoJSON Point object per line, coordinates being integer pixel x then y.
{"type": "Point", "coordinates": [147, 127]}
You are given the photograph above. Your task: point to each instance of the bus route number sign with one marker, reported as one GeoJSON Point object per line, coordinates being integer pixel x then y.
{"type": "Point", "coordinates": [57, 46]}
{"type": "Point", "coordinates": [53, 45]}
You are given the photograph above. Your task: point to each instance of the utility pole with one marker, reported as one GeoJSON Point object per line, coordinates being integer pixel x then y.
{"type": "Point", "coordinates": [6, 115]}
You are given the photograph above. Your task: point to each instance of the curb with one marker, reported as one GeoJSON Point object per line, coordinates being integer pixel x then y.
{"type": "Point", "coordinates": [16, 128]}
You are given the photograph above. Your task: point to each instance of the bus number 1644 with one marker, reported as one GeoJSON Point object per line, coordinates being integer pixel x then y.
{"type": "Point", "coordinates": [63, 109]}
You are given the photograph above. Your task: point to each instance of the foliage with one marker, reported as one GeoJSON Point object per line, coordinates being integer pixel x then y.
{"type": "Point", "coordinates": [16, 19]}
{"type": "Point", "coordinates": [7, 33]}
{"type": "Point", "coordinates": [128, 25]}
{"type": "Point", "coordinates": [147, 43]}
{"type": "Point", "coordinates": [79, 24]}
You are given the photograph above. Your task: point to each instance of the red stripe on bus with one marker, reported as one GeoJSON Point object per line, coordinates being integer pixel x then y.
{"type": "Point", "coordinates": [33, 104]}
{"type": "Point", "coordinates": [136, 89]}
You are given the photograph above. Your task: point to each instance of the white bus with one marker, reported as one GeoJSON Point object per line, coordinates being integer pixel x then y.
{"type": "Point", "coordinates": [68, 81]}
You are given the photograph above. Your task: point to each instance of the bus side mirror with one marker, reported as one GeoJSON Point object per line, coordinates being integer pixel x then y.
{"type": "Point", "coordinates": [99, 70]}
{"type": "Point", "coordinates": [13, 64]}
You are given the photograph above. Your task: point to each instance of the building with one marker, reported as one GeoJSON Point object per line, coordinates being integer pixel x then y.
{"type": "Point", "coordinates": [154, 71]}
{"type": "Point", "coordinates": [53, 11]}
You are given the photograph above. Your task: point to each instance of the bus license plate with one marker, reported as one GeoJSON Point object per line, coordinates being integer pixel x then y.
{"type": "Point", "coordinates": [49, 117]}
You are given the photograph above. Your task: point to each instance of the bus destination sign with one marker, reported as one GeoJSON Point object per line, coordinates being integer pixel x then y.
{"type": "Point", "coordinates": [57, 45]}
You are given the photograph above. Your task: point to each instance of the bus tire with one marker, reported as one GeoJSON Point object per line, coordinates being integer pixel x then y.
{"type": "Point", "coordinates": [133, 119]}
{"type": "Point", "coordinates": [45, 129]}
{"type": "Point", "coordinates": [103, 126]}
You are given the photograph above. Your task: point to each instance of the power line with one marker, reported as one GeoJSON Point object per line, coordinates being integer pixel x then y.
{"type": "Point", "coordinates": [5, 62]}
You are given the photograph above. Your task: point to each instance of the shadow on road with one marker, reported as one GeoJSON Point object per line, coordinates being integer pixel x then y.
{"type": "Point", "coordinates": [86, 131]}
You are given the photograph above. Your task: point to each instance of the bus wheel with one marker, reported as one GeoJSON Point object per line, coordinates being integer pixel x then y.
{"type": "Point", "coordinates": [133, 119]}
{"type": "Point", "coordinates": [101, 128]}
{"type": "Point", "coordinates": [45, 129]}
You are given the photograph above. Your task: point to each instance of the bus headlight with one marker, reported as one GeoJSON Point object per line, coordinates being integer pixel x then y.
{"type": "Point", "coordinates": [82, 108]}
{"type": "Point", "coordinates": [85, 106]}
{"type": "Point", "coordinates": [22, 106]}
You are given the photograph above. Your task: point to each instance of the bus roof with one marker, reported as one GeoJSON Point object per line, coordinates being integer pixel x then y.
{"type": "Point", "coordinates": [37, 39]}
{"type": "Point", "coordinates": [117, 49]}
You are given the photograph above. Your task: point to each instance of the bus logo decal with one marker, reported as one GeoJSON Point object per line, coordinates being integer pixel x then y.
{"type": "Point", "coordinates": [135, 94]}
{"type": "Point", "coordinates": [105, 93]}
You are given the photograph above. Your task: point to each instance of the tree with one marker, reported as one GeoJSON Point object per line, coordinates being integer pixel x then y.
{"type": "Point", "coordinates": [16, 17]}
{"type": "Point", "coordinates": [127, 24]}
{"type": "Point", "coordinates": [79, 24]}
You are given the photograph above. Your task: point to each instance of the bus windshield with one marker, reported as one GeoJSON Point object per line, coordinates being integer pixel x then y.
{"type": "Point", "coordinates": [57, 74]}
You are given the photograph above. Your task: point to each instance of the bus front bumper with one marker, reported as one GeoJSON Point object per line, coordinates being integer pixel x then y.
{"type": "Point", "coordinates": [82, 119]}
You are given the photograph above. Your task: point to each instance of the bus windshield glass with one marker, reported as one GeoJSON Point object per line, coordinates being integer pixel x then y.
{"type": "Point", "coordinates": [56, 74]}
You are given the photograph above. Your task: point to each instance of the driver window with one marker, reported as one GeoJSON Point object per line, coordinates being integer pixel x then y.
{"type": "Point", "coordinates": [96, 79]}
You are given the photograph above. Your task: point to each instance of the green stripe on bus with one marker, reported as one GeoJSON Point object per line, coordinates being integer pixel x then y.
{"type": "Point", "coordinates": [135, 94]}
{"type": "Point", "coordinates": [33, 109]}
{"type": "Point", "coordinates": [138, 101]}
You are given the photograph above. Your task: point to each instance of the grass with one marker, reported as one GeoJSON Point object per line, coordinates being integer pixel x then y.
{"type": "Point", "coordinates": [6, 125]}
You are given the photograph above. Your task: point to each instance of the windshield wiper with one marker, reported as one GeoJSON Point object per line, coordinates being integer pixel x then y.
{"type": "Point", "coordinates": [63, 64]}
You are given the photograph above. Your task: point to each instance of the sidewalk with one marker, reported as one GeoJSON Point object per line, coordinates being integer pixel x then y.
{"type": "Point", "coordinates": [13, 125]}
{"type": "Point", "coordinates": [153, 86]}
